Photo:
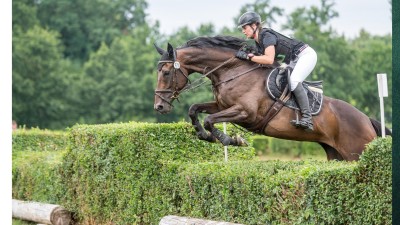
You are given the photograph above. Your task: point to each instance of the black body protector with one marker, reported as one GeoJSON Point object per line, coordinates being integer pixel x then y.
{"type": "Point", "coordinates": [286, 48]}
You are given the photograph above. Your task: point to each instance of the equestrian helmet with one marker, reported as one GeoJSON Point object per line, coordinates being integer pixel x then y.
{"type": "Point", "coordinates": [249, 18]}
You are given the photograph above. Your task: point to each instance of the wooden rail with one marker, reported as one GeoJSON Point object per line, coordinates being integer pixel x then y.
{"type": "Point", "coordinates": [40, 213]}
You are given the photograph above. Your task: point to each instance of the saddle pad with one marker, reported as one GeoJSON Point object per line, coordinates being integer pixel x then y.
{"type": "Point", "coordinates": [277, 81]}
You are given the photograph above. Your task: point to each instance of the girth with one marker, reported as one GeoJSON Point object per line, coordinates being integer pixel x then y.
{"type": "Point", "coordinates": [277, 85]}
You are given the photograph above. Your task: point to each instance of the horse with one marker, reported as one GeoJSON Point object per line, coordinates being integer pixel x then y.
{"type": "Point", "coordinates": [240, 97]}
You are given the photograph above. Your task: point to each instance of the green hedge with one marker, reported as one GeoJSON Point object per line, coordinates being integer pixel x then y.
{"type": "Point", "coordinates": [359, 196]}
{"type": "Point", "coordinates": [36, 176]}
{"type": "Point", "coordinates": [274, 146]}
{"type": "Point", "coordinates": [136, 173]}
{"type": "Point", "coordinates": [38, 140]}
{"type": "Point", "coordinates": [121, 165]}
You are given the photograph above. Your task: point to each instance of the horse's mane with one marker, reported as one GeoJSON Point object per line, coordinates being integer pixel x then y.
{"type": "Point", "coordinates": [233, 43]}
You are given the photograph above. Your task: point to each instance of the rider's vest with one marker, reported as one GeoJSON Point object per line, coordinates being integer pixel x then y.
{"type": "Point", "coordinates": [285, 48]}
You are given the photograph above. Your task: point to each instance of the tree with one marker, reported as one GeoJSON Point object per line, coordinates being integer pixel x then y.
{"type": "Point", "coordinates": [24, 15]}
{"type": "Point", "coordinates": [335, 57]}
{"type": "Point", "coordinates": [373, 56]}
{"type": "Point", "coordinates": [116, 80]}
{"type": "Point", "coordinates": [84, 25]}
{"type": "Point", "coordinates": [39, 83]}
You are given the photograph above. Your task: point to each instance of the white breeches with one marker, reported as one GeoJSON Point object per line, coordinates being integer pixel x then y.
{"type": "Point", "coordinates": [302, 66]}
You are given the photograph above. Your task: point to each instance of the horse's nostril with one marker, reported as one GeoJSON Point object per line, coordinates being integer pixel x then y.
{"type": "Point", "coordinates": [159, 107]}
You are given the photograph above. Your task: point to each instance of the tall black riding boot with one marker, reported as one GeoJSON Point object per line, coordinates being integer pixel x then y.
{"type": "Point", "coordinates": [306, 121]}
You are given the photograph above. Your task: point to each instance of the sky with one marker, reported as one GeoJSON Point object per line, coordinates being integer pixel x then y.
{"type": "Point", "coordinates": [372, 15]}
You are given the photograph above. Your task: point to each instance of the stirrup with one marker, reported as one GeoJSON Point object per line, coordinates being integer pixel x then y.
{"type": "Point", "coordinates": [296, 122]}
{"type": "Point", "coordinates": [306, 125]}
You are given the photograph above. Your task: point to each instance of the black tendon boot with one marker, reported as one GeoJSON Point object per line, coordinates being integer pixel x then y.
{"type": "Point", "coordinates": [306, 121]}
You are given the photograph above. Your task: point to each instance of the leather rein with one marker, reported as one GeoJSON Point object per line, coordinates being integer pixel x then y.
{"type": "Point", "coordinates": [175, 92]}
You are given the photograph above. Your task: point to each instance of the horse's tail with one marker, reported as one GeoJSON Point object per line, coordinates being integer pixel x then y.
{"type": "Point", "coordinates": [377, 127]}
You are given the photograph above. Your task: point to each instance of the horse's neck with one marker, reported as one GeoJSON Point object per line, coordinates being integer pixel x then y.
{"type": "Point", "coordinates": [203, 60]}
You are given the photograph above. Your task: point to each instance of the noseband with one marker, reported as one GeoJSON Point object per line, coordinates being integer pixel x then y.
{"type": "Point", "coordinates": [175, 92]}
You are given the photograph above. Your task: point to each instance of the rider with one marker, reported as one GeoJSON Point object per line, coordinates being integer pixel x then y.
{"type": "Point", "coordinates": [271, 46]}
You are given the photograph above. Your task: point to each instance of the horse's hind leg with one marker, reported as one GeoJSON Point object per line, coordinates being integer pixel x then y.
{"type": "Point", "coordinates": [331, 152]}
{"type": "Point", "coordinates": [210, 107]}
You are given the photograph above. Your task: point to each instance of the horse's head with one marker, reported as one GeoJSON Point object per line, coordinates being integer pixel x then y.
{"type": "Point", "coordinates": [203, 55]}
{"type": "Point", "coordinates": [172, 78]}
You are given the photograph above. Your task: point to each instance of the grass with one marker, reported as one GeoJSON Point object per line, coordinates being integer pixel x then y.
{"type": "Point", "coordinates": [21, 222]}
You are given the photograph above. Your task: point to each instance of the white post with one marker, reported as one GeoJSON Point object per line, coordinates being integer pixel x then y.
{"type": "Point", "coordinates": [383, 92]}
{"type": "Point", "coordinates": [225, 147]}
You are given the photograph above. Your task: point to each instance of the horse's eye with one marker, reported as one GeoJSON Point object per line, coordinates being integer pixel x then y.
{"type": "Point", "coordinates": [166, 73]}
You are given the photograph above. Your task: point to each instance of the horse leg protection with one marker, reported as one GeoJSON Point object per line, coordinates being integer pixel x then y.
{"type": "Point", "coordinates": [201, 133]}
{"type": "Point", "coordinates": [223, 138]}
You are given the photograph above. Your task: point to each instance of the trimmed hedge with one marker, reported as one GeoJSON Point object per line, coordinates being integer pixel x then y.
{"type": "Point", "coordinates": [38, 140]}
{"type": "Point", "coordinates": [359, 196]}
{"type": "Point", "coordinates": [136, 173]}
{"type": "Point", "coordinates": [36, 176]}
{"type": "Point", "coordinates": [121, 165]}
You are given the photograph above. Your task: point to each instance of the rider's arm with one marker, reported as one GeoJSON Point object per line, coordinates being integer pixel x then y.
{"type": "Point", "coordinates": [267, 58]}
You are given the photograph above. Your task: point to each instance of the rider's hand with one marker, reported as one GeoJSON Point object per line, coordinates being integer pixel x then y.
{"type": "Point", "coordinates": [243, 55]}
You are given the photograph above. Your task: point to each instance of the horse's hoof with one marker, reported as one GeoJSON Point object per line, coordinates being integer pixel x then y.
{"type": "Point", "coordinates": [241, 141]}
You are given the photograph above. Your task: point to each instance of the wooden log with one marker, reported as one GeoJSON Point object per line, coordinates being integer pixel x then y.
{"type": "Point", "coordinates": [41, 212]}
{"type": "Point", "coordinates": [178, 220]}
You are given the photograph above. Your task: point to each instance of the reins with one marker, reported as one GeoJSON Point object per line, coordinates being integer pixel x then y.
{"type": "Point", "coordinates": [239, 75]}
{"type": "Point", "coordinates": [189, 88]}
{"type": "Point", "coordinates": [188, 85]}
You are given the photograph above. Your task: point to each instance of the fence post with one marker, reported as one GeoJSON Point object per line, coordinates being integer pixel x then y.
{"type": "Point", "coordinates": [383, 92]}
{"type": "Point", "coordinates": [225, 147]}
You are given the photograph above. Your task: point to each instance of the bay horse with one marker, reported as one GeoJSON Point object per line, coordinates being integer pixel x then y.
{"type": "Point", "coordinates": [241, 98]}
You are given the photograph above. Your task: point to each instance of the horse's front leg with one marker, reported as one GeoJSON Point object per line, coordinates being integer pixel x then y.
{"type": "Point", "coordinates": [233, 114]}
{"type": "Point", "coordinates": [209, 108]}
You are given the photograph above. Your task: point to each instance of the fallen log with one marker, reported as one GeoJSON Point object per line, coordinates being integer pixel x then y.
{"type": "Point", "coordinates": [41, 213]}
{"type": "Point", "coordinates": [178, 220]}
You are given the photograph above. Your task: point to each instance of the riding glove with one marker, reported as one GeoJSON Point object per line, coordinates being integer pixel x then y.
{"type": "Point", "coordinates": [242, 55]}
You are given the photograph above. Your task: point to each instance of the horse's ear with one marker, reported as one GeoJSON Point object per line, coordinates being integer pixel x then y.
{"type": "Point", "coordinates": [159, 50]}
{"type": "Point", "coordinates": [171, 52]}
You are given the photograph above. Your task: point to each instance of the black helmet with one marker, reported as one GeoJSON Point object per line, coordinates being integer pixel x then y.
{"type": "Point", "coordinates": [249, 18]}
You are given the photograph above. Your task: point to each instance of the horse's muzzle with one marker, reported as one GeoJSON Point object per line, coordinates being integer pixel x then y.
{"type": "Point", "coordinates": [162, 108]}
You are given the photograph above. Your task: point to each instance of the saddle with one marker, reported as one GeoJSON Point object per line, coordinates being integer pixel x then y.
{"type": "Point", "coordinates": [277, 86]}
{"type": "Point", "coordinates": [278, 79]}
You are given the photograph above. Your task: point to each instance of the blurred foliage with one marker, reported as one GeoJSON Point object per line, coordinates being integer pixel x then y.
{"type": "Point", "coordinates": [267, 147]}
{"type": "Point", "coordinates": [136, 173]}
{"type": "Point", "coordinates": [94, 61]}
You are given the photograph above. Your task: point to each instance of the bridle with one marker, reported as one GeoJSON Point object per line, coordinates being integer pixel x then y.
{"type": "Point", "coordinates": [174, 89]}
{"type": "Point", "coordinates": [175, 92]}
{"type": "Point", "coordinates": [187, 87]}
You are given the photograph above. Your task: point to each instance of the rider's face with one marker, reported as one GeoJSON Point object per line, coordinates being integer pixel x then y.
{"type": "Point", "coordinates": [248, 31]}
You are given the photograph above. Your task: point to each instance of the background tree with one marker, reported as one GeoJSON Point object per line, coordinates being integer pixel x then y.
{"type": "Point", "coordinates": [24, 15]}
{"type": "Point", "coordinates": [94, 61]}
{"type": "Point", "coordinates": [39, 85]}
{"type": "Point", "coordinates": [116, 81]}
{"type": "Point", "coordinates": [334, 65]}
{"type": "Point", "coordinates": [373, 55]}
{"type": "Point", "coordinates": [84, 25]}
